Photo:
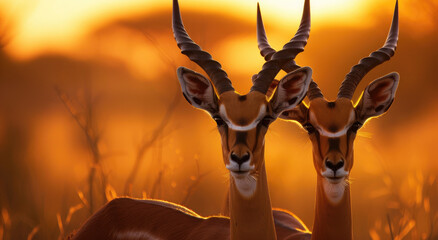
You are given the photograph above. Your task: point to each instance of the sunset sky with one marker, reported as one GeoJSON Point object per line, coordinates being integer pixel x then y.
{"type": "Point", "coordinates": [115, 61]}
{"type": "Point", "coordinates": [56, 25]}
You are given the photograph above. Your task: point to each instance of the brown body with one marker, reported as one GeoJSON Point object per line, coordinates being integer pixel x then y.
{"type": "Point", "coordinates": [126, 218]}
{"type": "Point", "coordinates": [251, 215]}
{"type": "Point", "coordinates": [131, 219]}
{"type": "Point", "coordinates": [242, 122]}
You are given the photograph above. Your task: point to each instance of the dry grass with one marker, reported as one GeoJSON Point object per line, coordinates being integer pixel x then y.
{"type": "Point", "coordinates": [33, 233]}
{"type": "Point", "coordinates": [85, 121]}
{"type": "Point", "coordinates": [63, 224]}
{"type": "Point", "coordinates": [411, 209]}
{"type": "Point", "coordinates": [5, 224]}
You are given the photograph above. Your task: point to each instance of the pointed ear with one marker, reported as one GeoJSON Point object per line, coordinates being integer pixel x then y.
{"type": "Point", "coordinates": [291, 90]}
{"type": "Point", "coordinates": [377, 97]}
{"type": "Point", "coordinates": [197, 90]}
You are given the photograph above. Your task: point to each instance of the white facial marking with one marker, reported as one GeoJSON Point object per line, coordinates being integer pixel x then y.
{"type": "Point", "coordinates": [323, 132]}
{"type": "Point", "coordinates": [328, 173]}
{"type": "Point", "coordinates": [245, 167]}
{"type": "Point", "coordinates": [342, 132]}
{"type": "Point", "coordinates": [245, 183]}
{"type": "Point", "coordinates": [248, 127]}
{"type": "Point", "coordinates": [135, 234]}
{"type": "Point", "coordinates": [334, 188]}
{"type": "Point", "coordinates": [334, 191]}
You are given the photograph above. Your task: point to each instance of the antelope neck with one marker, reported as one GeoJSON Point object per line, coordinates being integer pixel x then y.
{"type": "Point", "coordinates": [251, 218]}
{"type": "Point", "coordinates": [332, 221]}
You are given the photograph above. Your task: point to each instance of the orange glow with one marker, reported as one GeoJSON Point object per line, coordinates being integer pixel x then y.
{"type": "Point", "coordinates": [119, 58]}
{"type": "Point", "coordinates": [59, 25]}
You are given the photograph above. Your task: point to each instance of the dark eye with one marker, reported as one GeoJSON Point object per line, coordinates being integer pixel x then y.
{"type": "Point", "coordinates": [219, 121]}
{"type": "Point", "coordinates": [355, 127]}
{"type": "Point", "coordinates": [309, 128]}
{"type": "Point", "coordinates": [266, 121]}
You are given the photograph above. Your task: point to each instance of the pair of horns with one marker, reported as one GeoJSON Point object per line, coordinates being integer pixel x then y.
{"type": "Point", "coordinates": [355, 75]}
{"type": "Point", "coordinates": [276, 61]}
{"type": "Point", "coordinates": [376, 58]}
{"type": "Point", "coordinates": [303, 32]}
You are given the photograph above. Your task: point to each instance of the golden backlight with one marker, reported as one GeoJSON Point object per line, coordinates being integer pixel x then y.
{"type": "Point", "coordinates": [58, 25]}
{"type": "Point", "coordinates": [113, 64]}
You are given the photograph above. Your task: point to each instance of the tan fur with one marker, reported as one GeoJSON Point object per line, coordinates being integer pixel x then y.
{"type": "Point", "coordinates": [250, 217]}
{"type": "Point", "coordinates": [332, 132]}
{"type": "Point", "coordinates": [243, 111]}
{"type": "Point", "coordinates": [242, 123]}
{"type": "Point", "coordinates": [323, 118]}
{"type": "Point", "coordinates": [332, 219]}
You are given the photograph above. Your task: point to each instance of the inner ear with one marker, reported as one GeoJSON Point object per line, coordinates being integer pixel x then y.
{"type": "Point", "coordinates": [377, 97]}
{"type": "Point", "coordinates": [197, 90]}
{"type": "Point", "coordinates": [272, 88]}
{"type": "Point", "coordinates": [298, 113]}
{"type": "Point", "coordinates": [291, 90]}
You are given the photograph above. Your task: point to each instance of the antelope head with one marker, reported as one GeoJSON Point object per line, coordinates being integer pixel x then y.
{"type": "Point", "coordinates": [332, 125]}
{"type": "Point", "coordinates": [242, 120]}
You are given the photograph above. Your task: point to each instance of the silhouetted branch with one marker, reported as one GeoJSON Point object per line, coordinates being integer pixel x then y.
{"type": "Point", "coordinates": [8, 15]}
{"type": "Point", "coordinates": [163, 55]}
{"type": "Point", "coordinates": [192, 187]}
{"type": "Point", "coordinates": [146, 145]}
{"type": "Point", "coordinates": [5, 33]}
{"type": "Point", "coordinates": [85, 121]}
{"type": "Point", "coordinates": [157, 183]}
{"type": "Point", "coordinates": [158, 131]}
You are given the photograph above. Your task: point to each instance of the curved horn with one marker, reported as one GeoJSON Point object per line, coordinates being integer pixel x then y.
{"type": "Point", "coordinates": [278, 59]}
{"type": "Point", "coordinates": [265, 48]}
{"type": "Point", "coordinates": [376, 58]}
{"type": "Point", "coordinates": [189, 48]}
{"type": "Point", "coordinates": [267, 51]}
{"type": "Point", "coordinates": [314, 91]}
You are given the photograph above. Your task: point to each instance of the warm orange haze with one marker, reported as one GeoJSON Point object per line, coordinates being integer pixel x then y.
{"type": "Point", "coordinates": [90, 98]}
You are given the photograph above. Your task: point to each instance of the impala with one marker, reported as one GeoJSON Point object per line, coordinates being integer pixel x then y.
{"type": "Point", "coordinates": [332, 128]}
{"type": "Point", "coordinates": [242, 121]}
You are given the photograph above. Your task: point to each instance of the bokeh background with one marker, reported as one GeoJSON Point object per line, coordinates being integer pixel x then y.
{"type": "Point", "coordinates": [90, 109]}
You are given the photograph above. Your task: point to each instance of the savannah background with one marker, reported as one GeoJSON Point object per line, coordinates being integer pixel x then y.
{"type": "Point", "coordinates": [90, 109]}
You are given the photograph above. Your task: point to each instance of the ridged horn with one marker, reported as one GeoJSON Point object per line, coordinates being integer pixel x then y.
{"type": "Point", "coordinates": [376, 58]}
{"type": "Point", "coordinates": [192, 50]}
{"type": "Point", "coordinates": [314, 91]}
{"type": "Point", "coordinates": [267, 51]}
{"type": "Point", "coordinates": [290, 50]}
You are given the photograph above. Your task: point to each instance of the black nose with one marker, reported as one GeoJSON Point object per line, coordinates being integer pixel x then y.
{"type": "Point", "coordinates": [334, 167]}
{"type": "Point", "coordinates": [240, 159]}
